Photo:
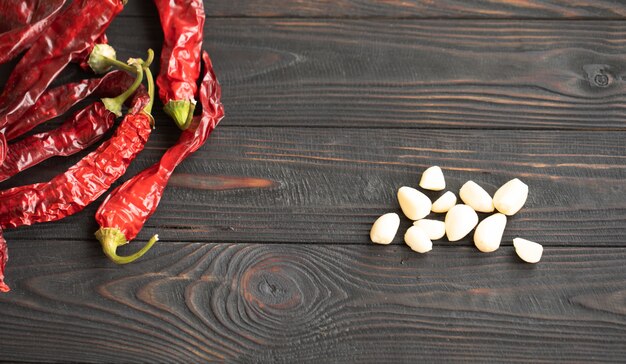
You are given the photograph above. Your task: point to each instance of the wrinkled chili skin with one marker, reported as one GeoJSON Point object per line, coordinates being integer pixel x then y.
{"type": "Point", "coordinates": [59, 100]}
{"type": "Point", "coordinates": [130, 205]}
{"type": "Point", "coordinates": [68, 38]}
{"type": "Point", "coordinates": [4, 257]}
{"type": "Point", "coordinates": [84, 182]}
{"type": "Point", "coordinates": [22, 21]}
{"type": "Point", "coordinates": [182, 22]}
{"type": "Point", "coordinates": [70, 192]}
{"type": "Point", "coordinates": [81, 130]}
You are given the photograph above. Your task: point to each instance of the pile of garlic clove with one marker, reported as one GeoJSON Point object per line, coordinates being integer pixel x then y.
{"type": "Point", "coordinates": [460, 219]}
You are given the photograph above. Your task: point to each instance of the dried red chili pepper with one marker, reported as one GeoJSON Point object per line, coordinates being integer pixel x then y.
{"type": "Point", "coordinates": [81, 130]}
{"type": "Point", "coordinates": [81, 184]}
{"type": "Point", "coordinates": [68, 37]}
{"type": "Point", "coordinates": [22, 21]}
{"type": "Point", "coordinates": [58, 100]}
{"type": "Point", "coordinates": [4, 257]}
{"type": "Point", "coordinates": [182, 22]}
{"type": "Point", "coordinates": [84, 182]}
{"type": "Point", "coordinates": [124, 212]}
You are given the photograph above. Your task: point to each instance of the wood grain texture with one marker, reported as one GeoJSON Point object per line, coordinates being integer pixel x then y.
{"type": "Point", "coordinates": [328, 185]}
{"type": "Point", "coordinates": [409, 73]}
{"type": "Point", "coordinates": [498, 9]}
{"type": "Point", "coordinates": [299, 303]}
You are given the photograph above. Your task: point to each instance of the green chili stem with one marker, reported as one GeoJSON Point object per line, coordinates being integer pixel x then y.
{"type": "Point", "coordinates": [115, 104]}
{"type": "Point", "coordinates": [131, 258]}
{"type": "Point", "coordinates": [146, 67]}
{"type": "Point", "coordinates": [112, 238]}
{"type": "Point", "coordinates": [150, 58]}
{"type": "Point", "coordinates": [121, 65]}
{"type": "Point", "coordinates": [148, 108]}
{"type": "Point", "coordinates": [126, 67]}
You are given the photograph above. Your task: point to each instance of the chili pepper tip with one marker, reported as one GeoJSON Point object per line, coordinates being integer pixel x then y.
{"type": "Point", "coordinates": [112, 238]}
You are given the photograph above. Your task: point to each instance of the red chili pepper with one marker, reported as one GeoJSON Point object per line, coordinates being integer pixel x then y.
{"type": "Point", "coordinates": [81, 130]}
{"type": "Point", "coordinates": [124, 212]}
{"type": "Point", "coordinates": [67, 38]}
{"type": "Point", "coordinates": [182, 22]}
{"type": "Point", "coordinates": [22, 22]}
{"type": "Point", "coordinates": [58, 100]}
{"type": "Point", "coordinates": [70, 192]}
{"type": "Point", "coordinates": [84, 182]}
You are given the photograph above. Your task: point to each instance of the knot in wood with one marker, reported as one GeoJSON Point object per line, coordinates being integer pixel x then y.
{"type": "Point", "coordinates": [599, 75]}
{"type": "Point", "coordinates": [276, 287]}
{"type": "Point", "coordinates": [601, 80]}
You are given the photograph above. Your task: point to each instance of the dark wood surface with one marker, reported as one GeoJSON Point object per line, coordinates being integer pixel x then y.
{"type": "Point", "coordinates": [331, 106]}
{"type": "Point", "coordinates": [413, 73]}
{"type": "Point", "coordinates": [394, 9]}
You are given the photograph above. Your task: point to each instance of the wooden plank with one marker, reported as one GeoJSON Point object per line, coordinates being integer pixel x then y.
{"type": "Point", "coordinates": [500, 9]}
{"type": "Point", "coordinates": [298, 303]}
{"type": "Point", "coordinates": [465, 74]}
{"type": "Point", "coordinates": [311, 185]}
{"type": "Point", "coordinates": [408, 73]}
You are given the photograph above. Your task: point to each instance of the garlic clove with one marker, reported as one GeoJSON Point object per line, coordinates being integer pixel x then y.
{"type": "Point", "coordinates": [433, 228]}
{"type": "Point", "coordinates": [418, 240]}
{"type": "Point", "coordinates": [476, 197]}
{"type": "Point", "coordinates": [385, 228]}
{"type": "Point", "coordinates": [432, 179]}
{"type": "Point", "coordinates": [414, 204]}
{"type": "Point", "coordinates": [511, 197]}
{"type": "Point", "coordinates": [488, 234]}
{"type": "Point", "coordinates": [527, 250]}
{"type": "Point", "coordinates": [460, 220]}
{"type": "Point", "coordinates": [444, 203]}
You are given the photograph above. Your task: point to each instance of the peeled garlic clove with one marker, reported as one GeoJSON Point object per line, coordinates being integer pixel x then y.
{"type": "Point", "coordinates": [444, 203]}
{"type": "Point", "coordinates": [418, 240]}
{"type": "Point", "coordinates": [529, 251]}
{"type": "Point", "coordinates": [432, 179]}
{"type": "Point", "coordinates": [460, 220]}
{"type": "Point", "coordinates": [488, 234]}
{"type": "Point", "coordinates": [385, 228]}
{"type": "Point", "coordinates": [476, 197]}
{"type": "Point", "coordinates": [510, 198]}
{"type": "Point", "coordinates": [434, 229]}
{"type": "Point", "coordinates": [414, 204]}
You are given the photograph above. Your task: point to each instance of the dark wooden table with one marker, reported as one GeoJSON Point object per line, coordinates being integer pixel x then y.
{"type": "Point", "coordinates": [331, 106]}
